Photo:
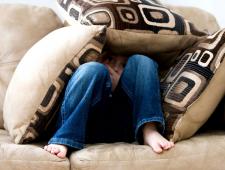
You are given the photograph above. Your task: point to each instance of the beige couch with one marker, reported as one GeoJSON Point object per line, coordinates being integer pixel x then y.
{"type": "Point", "coordinates": [203, 151]}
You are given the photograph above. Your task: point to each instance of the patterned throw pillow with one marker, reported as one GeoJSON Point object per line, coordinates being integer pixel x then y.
{"type": "Point", "coordinates": [194, 87]}
{"type": "Point", "coordinates": [135, 26]}
{"type": "Point", "coordinates": [38, 82]}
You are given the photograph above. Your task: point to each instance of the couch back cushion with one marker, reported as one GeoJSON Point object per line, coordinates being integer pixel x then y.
{"type": "Point", "coordinates": [20, 27]}
{"type": "Point", "coordinates": [194, 87]}
{"type": "Point", "coordinates": [202, 19]}
{"type": "Point", "coordinates": [37, 84]}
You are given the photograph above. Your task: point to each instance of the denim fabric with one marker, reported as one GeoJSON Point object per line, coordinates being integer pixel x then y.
{"type": "Point", "coordinates": [92, 113]}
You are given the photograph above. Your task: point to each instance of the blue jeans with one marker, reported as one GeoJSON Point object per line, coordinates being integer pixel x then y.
{"type": "Point", "coordinates": [92, 113]}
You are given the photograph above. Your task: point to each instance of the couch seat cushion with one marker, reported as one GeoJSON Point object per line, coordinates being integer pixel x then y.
{"type": "Point", "coordinates": [26, 157]}
{"type": "Point", "coordinates": [203, 151]}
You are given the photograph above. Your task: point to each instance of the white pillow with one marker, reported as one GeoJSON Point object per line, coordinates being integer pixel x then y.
{"type": "Point", "coordinates": [41, 76]}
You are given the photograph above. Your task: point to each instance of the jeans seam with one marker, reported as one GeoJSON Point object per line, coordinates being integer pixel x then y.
{"type": "Point", "coordinates": [63, 112]}
{"type": "Point", "coordinates": [67, 142]}
{"type": "Point", "coordinates": [98, 98]}
{"type": "Point", "coordinates": [126, 90]}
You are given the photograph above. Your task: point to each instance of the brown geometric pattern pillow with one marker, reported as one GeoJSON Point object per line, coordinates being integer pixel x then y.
{"type": "Point", "coordinates": [194, 87]}
{"type": "Point", "coordinates": [135, 26]}
{"type": "Point", "coordinates": [47, 67]}
{"type": "Point", "coordinates": [128, 14]}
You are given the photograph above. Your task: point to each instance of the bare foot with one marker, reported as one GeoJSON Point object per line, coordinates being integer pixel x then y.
{"type": "Point", "coordinates": [154, 139]}
{"type": "Point", "coordinates": [58, 150]}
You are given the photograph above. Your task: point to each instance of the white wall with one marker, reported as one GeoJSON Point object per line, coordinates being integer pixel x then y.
{"type": "Point", "coordinates": [216, 7]}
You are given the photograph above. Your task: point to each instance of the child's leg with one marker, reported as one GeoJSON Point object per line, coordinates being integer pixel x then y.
{"type": "Point", "coordinates": [112, 121]}
{"type": "Point", "coordinates": [87, 87]}
{"type": "Point", "coordinates": [141, 83]}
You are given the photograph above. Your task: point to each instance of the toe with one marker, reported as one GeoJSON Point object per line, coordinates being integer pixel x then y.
{"type": "Point", "coordinates": [54, 150]}
{"type": "Point", "coordinates": [167, 145]}
{"type": "Point", "coordinates": [61, 154]}
{"type": "Point", "coordinates": [164, 145]}
{"type": "Point", "coordinates": [157, 148]}
{"type": "Point", "coordinates": [49, 148]}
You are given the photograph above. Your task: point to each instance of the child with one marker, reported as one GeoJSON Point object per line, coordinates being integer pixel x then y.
{"type": "Point", "coordinates": [116, 100]}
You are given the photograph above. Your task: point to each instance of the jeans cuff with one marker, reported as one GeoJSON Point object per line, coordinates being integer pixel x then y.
{"type": "Point", "coordinates": [138, 130]}
{"type": "Point", "coordinates": [66, 142]}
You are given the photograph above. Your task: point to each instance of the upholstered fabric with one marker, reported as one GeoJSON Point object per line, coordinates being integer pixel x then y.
{"type": "Point", "coordinates": [162, 48]}
{"type": "Point", "coordinates": [20, 27]}
{"type": "Point", "coordinates": [27, 157]}
{"type": "Point", "coordinates": [194, 87]}
{"type": "Point", "coordinates": [200, 152]}
{"type": "Point", "coordinates": [136, 27]}
{"type": "Point", "coordinates": [33, 95]}
{"type": "Point", "coordinates": [128, 14]}
{"type": "Point", "coordinates": [202, 19]}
